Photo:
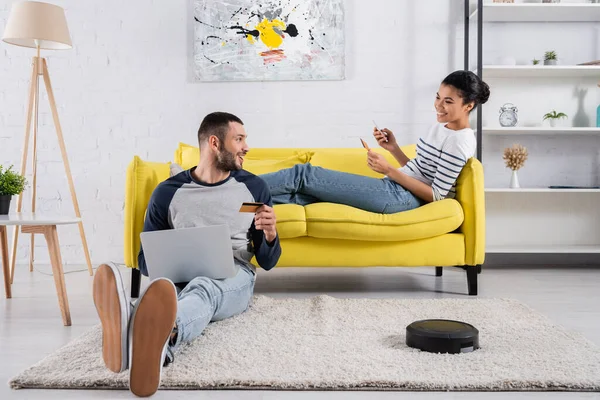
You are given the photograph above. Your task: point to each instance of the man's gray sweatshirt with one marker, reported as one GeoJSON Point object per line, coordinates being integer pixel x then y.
{"type": "Point", "coordinates": [183, 202]}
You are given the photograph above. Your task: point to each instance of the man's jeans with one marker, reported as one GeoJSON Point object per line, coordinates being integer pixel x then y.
{"type": "Point", "coordinates": [204, 300]}
{"type": "Point", "coordinates": [304, 184]}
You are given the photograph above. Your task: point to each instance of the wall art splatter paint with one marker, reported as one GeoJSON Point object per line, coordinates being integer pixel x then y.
{"type": "Point", "coordinates": [251, 40]}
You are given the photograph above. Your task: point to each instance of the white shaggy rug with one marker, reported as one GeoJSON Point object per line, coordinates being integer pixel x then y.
{"type": "Point", "coordinates": [344, 344]}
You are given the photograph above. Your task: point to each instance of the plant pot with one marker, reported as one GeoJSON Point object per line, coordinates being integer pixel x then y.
{"type": "Point", "coordinates": [514, 180]}
{"type": "Point", "coordinates": [550, 62]}
{"type": "Point", "coordinates": [552, 122]}
{"type": "Point", "coordinates": [4, 203]}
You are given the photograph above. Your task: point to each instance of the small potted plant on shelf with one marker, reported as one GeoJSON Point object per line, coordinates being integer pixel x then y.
{"type": "Point", "coordinates": [11, 184]}
{"type": "Point", "coordinates": [550, 58]}
{"type": "Point", "coordinates": [535, 61]}
{"type": "Point", "coordinates": [553, 117]}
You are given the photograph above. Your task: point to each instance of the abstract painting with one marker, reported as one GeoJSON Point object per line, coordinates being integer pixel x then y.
{"type": "Point", "coordinates": [253, 40]}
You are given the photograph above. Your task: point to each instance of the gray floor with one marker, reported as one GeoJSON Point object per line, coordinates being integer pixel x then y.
{"type": "Point", "coordinates": [30, 323]}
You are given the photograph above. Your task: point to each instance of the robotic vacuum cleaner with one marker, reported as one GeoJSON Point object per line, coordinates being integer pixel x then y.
{"type": "Point", "coordinates": [442, 336]}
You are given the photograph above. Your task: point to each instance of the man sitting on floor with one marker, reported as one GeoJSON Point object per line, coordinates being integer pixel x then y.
{"type": "Point", "coordinates": [147, 337]}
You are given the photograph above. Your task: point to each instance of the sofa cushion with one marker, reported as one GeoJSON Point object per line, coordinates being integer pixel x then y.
{"type": "Point", "coordinates": [353, 160]}
{"type": "Point", "coordinates": [187, 155]}
{"type": "Point", "coordinates": [175, 169]}
{"type": "Point", "coordinates": [291, 220]}
{"type": "Point", "coordinates": [336, 221]}
{"type": "Point", "coordinates": [259, 167]}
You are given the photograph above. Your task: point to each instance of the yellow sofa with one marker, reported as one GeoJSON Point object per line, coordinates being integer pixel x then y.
{"type": "Point", "coordinates": [445, 233]}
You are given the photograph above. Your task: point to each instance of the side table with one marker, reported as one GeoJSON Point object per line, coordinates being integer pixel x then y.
{"type": "Point", "coordinates": [46, 225]}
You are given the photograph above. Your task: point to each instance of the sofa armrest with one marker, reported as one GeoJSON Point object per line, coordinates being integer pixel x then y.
{"type": "Point", "coordinates": [142, 179]}
{"type": "Point", "coordinates": [470, 194]}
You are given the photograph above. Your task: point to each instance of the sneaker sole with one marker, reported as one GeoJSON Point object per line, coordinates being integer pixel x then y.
{"type": "Point", "coordinates": [111, 304]}
{"type": "Point", "coordinates": [150, 328]}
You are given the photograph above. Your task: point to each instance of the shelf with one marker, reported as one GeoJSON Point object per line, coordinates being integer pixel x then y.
{"type": "Point", "coordinates": [538, 210]}
{"type": "Point", "coordinates": [541, 71]}
{"type": "Point", "coordinates": [539, 130]}
{"type": "Point", "coordinates": [554, 12]}
{"type": "Point", "coordinates": [550, 249]}
{"type": "Point", "coordinates": [539, 190]}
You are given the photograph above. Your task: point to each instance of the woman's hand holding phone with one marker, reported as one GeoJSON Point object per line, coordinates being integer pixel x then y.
{"type": "Point", "coordinates": [385, 138]}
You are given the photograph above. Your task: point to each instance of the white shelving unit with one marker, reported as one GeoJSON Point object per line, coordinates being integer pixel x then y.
{"type": "Point", "coordinates": [542, 71]}
{"type": "Point", "coordinates": [542, 220]}
{"type": "Point", "coordinates": [539, 12]}
{"type": "Point", "coordinates": [541, 190]}
{"type": "Point", "coordinates": [544, 249]}
{"type": "Point", "coordinates": [540, 131]}
{"type": "Point", "coordinates": [539, 219]}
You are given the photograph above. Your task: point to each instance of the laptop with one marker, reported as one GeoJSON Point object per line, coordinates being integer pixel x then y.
{"type": "Point", "coordinates": [187, 253]}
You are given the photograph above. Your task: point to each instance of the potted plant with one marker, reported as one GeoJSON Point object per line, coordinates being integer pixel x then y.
{"type": "Point", "coordinates": [550, 58]}
{"type": "Point", "coordinates": [553, 117]}
{"type": "Point", "coordinates": [11, 183]}
{"type": "Point", "coordinates": [535, 61]}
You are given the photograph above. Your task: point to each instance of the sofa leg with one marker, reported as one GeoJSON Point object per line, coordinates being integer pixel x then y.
{"type": "Point", "coordinates": [472, 278]}
{"type": "Point", "coordinates": [478, 269]}
{"type": "Point", "coordinates": [136, 283]}
{"type": "Point", "coordinates": [438, 271]}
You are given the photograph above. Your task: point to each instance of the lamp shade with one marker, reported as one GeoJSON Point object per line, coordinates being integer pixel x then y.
{"type": "Point", "coordinates": [31, 20]}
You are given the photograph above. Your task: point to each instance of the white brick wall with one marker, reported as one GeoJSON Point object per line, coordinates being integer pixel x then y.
{"type": "Point", "coordinates": [126, 88]}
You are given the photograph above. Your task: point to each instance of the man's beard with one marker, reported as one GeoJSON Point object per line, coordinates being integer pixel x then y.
{"type": "Point", "coordinates": [226, 161]}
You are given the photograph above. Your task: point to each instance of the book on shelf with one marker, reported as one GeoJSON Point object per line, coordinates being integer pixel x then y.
{"type": "Point", "coordinates": [572, 187]}
{"type": "Point", "coordinates": [597, 62]}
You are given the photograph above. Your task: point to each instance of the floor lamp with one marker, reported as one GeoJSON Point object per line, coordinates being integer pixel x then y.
{"type": "Point", "coordinates": [40, 26]}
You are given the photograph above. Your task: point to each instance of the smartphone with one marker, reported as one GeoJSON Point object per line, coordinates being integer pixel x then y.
{"type": "Point", "coordinates": [377, 127]}
{"type": "Point", "coordinates": [364, 144]}
{"type": "Point", "coordinates": [250, 207]}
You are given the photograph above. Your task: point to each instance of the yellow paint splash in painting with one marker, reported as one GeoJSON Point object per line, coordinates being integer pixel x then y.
{"type": "Point", "coordinates": [267, 32]}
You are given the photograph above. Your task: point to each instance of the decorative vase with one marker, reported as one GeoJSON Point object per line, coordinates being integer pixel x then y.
{"type": "Point", "coordinates": [4, 203]}
{"type": "Point", "coordinates": [550, 62]}
{"type": "Point", "coordinates": [580, 119]}
{"type": "Point", "coordinates": [598, 117]}
{"type": "Point", "coordinates": [514, 180]}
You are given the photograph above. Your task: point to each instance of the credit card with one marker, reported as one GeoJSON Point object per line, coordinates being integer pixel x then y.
{"type": "Point", "coordinates": [250, 207]}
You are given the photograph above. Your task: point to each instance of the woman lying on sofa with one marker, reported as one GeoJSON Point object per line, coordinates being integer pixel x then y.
{"type": "Point", "coordinates": [430, 176]}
